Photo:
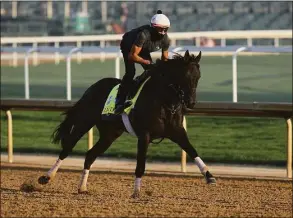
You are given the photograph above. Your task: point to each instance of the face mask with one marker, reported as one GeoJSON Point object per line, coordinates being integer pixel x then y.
{"type": "Point", "coordinates": [159, 34]}
{"type": "Point", "coordinates": [161, 30]}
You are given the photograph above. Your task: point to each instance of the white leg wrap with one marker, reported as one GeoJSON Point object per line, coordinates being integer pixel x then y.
{"type": "Point", "coordinates": [137, 184]}
{"type": "Point", "coordinates": [54, 168]}
{"type": "Point", "coordinates": [85, 175]}
{"type": "Point", "coordinates": [201, 165]}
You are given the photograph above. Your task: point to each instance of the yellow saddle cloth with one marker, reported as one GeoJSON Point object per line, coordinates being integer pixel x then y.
{"type": "Point", "coordinates": [109, 106]}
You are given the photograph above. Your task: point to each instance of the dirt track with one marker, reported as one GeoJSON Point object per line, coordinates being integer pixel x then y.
{"type": "Point", "coordinates": [169, 196]}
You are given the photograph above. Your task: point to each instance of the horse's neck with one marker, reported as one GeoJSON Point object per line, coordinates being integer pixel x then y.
{"type": "Point", "coordinates": [161, 92]}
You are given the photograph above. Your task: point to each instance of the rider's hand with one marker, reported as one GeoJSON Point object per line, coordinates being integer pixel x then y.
{"type": "Point", "coordinates": [147, 62]}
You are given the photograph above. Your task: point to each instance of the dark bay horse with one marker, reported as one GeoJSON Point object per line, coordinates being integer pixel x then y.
{"type": "Point", "coordinates": [158, 114]}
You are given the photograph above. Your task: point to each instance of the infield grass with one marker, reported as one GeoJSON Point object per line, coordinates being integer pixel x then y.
{"type": "Point", "coordinates": [260, 78]}
{"type": "Point", "coordinates": [217, 139]}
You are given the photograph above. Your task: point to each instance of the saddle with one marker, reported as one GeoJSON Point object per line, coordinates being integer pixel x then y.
{"type": "Point", "coordinates": [109, 107]}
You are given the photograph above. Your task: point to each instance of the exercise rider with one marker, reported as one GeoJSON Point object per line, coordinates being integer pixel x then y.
{"type": "Point", "coordinates": [136, 46]}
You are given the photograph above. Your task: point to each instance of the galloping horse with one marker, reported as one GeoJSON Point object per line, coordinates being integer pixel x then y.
{"type": "Point", "coordinates": [158, 114]}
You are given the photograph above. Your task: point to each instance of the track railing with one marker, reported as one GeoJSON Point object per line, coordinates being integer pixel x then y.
{"type": "Point", "coordinates": [223, 35]}
{"type": "Point", "coordinates": [254, 109]}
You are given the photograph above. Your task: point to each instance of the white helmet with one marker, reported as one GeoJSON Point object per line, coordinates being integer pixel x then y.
{"type": "Point", "coordinates": [160, 20]}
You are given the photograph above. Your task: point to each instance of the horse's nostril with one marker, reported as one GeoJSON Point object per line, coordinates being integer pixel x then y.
{"type": "Point", "coordinates": [191, 105]}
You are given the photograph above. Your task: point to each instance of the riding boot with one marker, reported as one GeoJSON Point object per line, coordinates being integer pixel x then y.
{"type": "Point", "coordinates": [121, 97]}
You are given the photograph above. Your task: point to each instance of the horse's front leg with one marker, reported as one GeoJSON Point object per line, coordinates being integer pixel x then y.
{"type": "Point", "coordinates": [179, 136]}
{"type": "Point", "coordinates": [142, 146]}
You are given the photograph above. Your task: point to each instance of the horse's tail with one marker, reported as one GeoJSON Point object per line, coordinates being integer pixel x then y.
{"type": "Point", "coordinates": [64, 129]}
{"type": "Point", "coordinates": [84, 110]}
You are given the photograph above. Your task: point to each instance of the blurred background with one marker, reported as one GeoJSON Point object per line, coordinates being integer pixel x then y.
{"type": "Point", "coordinates": [58, 18]}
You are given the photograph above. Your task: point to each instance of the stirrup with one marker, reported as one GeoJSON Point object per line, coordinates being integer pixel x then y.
{"type": "Point", "coordinates": [127, 103]}
{"type": "Point", "coordinates": [120, 108]}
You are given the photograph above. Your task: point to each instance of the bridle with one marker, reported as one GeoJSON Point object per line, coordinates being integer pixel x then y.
{"type": "Point", "coordinates": [174, 108]}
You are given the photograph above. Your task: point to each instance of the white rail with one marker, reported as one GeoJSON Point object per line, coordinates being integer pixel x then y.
{"type": "Point", "coordinates": [68, 71]}
{"type": "Point", "coordinates": [26, 72]}
{"type": "Point", "coordinates": [222, 35]}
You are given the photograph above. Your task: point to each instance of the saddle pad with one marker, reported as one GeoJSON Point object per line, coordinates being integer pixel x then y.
{"type": "Point", "coordinates": [109, 106]}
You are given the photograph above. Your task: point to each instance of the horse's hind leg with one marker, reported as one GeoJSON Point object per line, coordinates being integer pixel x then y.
{"type": "Point", "coordinates": [107, 136]}
{"type": "Point", "coordinates": [67, 145]}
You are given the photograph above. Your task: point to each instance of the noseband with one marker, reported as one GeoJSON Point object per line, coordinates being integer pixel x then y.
{"type": "Point", "coordinates": [180, 94]}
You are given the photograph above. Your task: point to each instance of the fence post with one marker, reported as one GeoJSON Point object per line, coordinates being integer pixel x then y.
{"type": "Point", "coordinates": [35, 56]}
{"type": "Point", "coordinates": [117, 65]}
{"type": "Point", "coordinates": [223, 42]}
{"type": "Point", "coordinates": [57, 55]}
{"type": "Point", "coordinates": [276, 42]}
{"type": "Point", "coordinates": [102, 52]}
{"type": "Point", "coordinates": [289, 148]}
{"type": "Point", "coordinates": [249, 42]}
{"type": "Point", "coordinates": [79, 57]}
{"type": "Point", "coordinates": [14, 56]}
{"type": "Point", "coordinates": [68, 71]}
{"type": "Point", "coordinates": [26, 72]}
{"type": "Point", "coordinates": [90, 138]}
{"type": "Point", "coordinates": [9, 136]}
{"type": "Point", "coordinates": [234, 71]}
{"type": "Point", "coordinates": [183, 153]}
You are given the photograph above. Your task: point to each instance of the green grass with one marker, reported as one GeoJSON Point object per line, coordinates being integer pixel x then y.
{"type": "Point", "coordinates": [260, 78]}
{"type": "Point", "coordinates": [227, 140]}
{"type": "Point", "coordinates": [217, 139]}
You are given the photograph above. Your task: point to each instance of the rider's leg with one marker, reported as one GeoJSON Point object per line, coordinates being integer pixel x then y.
{"type": "Point", "coordinates": [125, 85]}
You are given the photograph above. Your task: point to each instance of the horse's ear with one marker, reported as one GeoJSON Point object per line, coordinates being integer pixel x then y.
{"type": "Point", "coordinates": [198, 57]}
{"type": "Point", "coordinates": [186, 56]}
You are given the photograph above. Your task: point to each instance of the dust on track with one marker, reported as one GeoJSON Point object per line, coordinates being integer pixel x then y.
{"type": "Point", "coordinates": [161, 196]}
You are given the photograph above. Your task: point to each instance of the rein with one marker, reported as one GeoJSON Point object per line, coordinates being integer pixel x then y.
{"type": "Point", "coordinates": [174, 107]}
{"type": "Point", "coordinates": [180, 94]}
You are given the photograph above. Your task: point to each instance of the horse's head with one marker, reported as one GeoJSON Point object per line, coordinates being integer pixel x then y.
{"type": "Point", "coordinates": [191, 77]}
{"type": "Point", "coordinates": [183, 74]}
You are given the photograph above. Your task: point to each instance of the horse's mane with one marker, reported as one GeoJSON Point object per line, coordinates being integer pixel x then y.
{"type": "Point", "coordinates": [176, 61]}
{"type": "Point", "coordinates": [178, 56]}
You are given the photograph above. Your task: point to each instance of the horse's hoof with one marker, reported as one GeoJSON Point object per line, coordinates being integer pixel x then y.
{"type": "Point", "coordinates": [135, 194]}
{"type": "Point", "coordinates": [43, 180]}
{"type": "Point", "coordinates": [81, 191]}
{"type": "Point", "coordinates": [210, 179]}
